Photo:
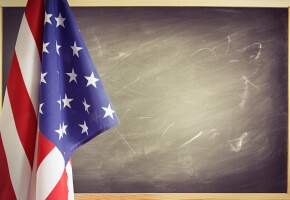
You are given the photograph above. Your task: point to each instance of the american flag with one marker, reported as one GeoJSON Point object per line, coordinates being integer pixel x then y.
{"type": "Point", "coordinates": [54, 102]}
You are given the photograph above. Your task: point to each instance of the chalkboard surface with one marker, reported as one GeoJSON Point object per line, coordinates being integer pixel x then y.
{"type": "Point", "coordinates": [201, 94]}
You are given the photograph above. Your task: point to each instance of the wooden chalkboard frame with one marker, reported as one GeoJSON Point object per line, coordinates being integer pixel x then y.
{"type": "Point", "coordinates": [200, 3]}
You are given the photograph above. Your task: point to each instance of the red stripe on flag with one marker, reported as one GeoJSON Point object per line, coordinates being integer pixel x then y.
{"type": "Point", "coordinates": [45, 146]}
{"type": "Point", "coordinates": [7, 191]}
{"type": "Point", "coordinates": [60, 191]}
{"type": "Point", "coordinates": [36, 24]}
{"type": "Point", "coordinates": [22, 109]}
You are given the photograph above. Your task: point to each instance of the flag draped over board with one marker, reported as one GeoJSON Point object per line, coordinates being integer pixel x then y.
{"type": "Point", "coordinates": [54, 102]}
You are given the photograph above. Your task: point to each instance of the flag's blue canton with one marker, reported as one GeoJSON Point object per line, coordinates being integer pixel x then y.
{"type": "Point", "coordinates": [74, 106]}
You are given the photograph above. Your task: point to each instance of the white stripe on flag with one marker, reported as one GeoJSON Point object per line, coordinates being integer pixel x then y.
{"type": "Point", "coordinates": [32, 189]}
{"type": "Point", "coordinates": [29, 62]}
{"type": "Point", "coordinates": [70, 181]}
{"type": "Point", "coordinates": [20, 172]}
{"type": "Point", "coordinates": [49, 173]}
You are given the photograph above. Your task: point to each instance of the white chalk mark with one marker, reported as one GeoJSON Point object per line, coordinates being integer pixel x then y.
{"type": "Point", "coordinates": [229, 41]}
{"type": "Point", "coordinates": [167, 128]}
{"type": "Point", "coordinates": [197, 66]}
{"type": "Point", "coordinates": [190, 140]}
{"type": "Point", "coordinates": [255, 72]}
{"type": "Point", "coordinates": [214, 135]}
{"type": "Point", "coordinates": [131, 83]}
{"type": "Point", "coordinates": [110, 146]}
{"type": "Point", "coordinates": [127, 143]}
{"type": "Point", "coordinates": [214, 132]}
{"type": "Point", "coordinates": [145, 117]}
{"type": "Point", "coordinates": [125, 112]}
{"type": "Point", "coordinates": [236, 145]}
{"type": "Point", "coordinates": [234, 61]}
{"type": "Point", "coordinates": [249, 82]}
{"type": "Point", "coordinates": [244, 95]}
{"type": "Point", "coordinates": [260, 50]}
{"type": "Point", "coordinates": [205, 49]}
{"type": "Point", "coordinates": [124, 55]}
{"type": "Point", "coordinates": [129, 89]}
{"type": "Point", "coordinates": [264, 146]}
{"type": "Point", "coordinates": [163, 124]}
{"type": "Point", "coordinates": [257, 54]}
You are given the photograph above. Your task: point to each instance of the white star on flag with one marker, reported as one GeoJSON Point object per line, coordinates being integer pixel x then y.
{"type": "Point", "coordinates": [86, 106]}
{"type": "Point", "coordinates": [92, 80]}
{"type": "Point", "coordinates": [72, 76]}
{"type": "Point", "coordinates": [42, 75]}
{"type": "Point", "coordinates": [60, 132]}
{"type": "Point", "coordinates": [59, 20]}
{"type": "Point", "coordinates": [40, 108]}
{"type": "Point", "coordinates": [64, 128]}
{"type": "Point", "coordinates": [57, 47]}
{"type": "Point", "coordinates": [44, 48]}
{"type": "Point", "coordinates": [47, 18]}
{"type": "Point", "coordinates": [76, 49]}
{"type": "Point", "coordinates": [84, 128]}
{"type": "Point", "coordinates": [66, 102]}
{"type": "Point", "coordinates": [109, 111]}
{"type": "Point", "coordinates": [59, 101]}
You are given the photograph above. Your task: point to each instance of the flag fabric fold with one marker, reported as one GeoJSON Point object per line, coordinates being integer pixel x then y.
{"type": "Point", "coordinates": [54, 102]}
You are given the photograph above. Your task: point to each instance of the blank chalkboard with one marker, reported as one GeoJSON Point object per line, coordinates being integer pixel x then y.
{"type": "Point", "coordinates": [201, 94]}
